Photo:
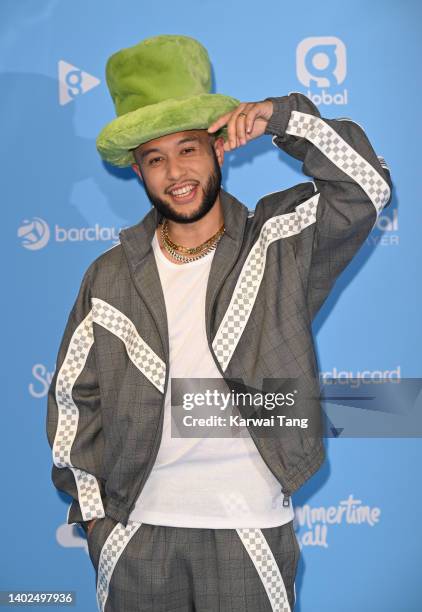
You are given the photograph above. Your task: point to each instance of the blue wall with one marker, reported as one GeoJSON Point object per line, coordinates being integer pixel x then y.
{"type": "Point", "coordinates": [55, 186]}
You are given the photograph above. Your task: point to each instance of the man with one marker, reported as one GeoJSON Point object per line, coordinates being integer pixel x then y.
{"type": "Point", "coordinates": [202, 288]}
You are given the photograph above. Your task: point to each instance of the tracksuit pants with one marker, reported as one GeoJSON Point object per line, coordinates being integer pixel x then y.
{"type": "Point", "coordinates": [155, 568]}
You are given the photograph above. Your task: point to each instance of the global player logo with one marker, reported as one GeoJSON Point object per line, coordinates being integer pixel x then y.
{"type": "Point", "coordinates": [387, 225]}
{"type": "Point", "coordinates": [321, 66]}
{"type": "Point", "coordinates": [35, 233]}
{"type": "Point", "coordinates": [73, 82]}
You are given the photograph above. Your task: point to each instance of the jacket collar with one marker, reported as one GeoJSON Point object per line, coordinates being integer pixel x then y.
{"type": "Point", "coordinates": [137, 238]}
{"type": "Point", "coordinates": [136, 242]}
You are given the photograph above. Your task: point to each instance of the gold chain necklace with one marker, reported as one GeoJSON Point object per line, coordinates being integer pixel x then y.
{"type": "Point", "coordinates": [189, 250]}
{"type": "Point", "coordinates": [177, 251]}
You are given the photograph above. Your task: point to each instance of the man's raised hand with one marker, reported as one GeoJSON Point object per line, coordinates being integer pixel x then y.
{"type": "Point", "coordinates": [246, 122]}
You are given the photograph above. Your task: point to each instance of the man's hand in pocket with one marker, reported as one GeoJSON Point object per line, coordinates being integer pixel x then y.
{"type": "Point", "coordinates": [90, 525]}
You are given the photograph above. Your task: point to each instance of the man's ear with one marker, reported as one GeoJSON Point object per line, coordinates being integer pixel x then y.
{"type": "Point", "coordinates": [219, 149]}
{"type": "Point", "coordinates": [137, 171]}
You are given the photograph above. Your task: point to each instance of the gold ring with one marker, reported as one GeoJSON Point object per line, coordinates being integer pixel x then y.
{"type": "Point", "coordinates": [244, 114]}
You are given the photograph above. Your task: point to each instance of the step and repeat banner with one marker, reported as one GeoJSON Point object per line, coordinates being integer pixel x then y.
{"type": "Point", "coordinates": [358, 519]}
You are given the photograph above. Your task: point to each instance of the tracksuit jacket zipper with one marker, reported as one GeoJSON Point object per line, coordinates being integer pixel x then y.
{"type": "Point", "coordinates": [285, 492]}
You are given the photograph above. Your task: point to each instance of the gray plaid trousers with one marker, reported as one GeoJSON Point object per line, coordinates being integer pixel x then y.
{"type": "Point", "coordinates": [154, 568]}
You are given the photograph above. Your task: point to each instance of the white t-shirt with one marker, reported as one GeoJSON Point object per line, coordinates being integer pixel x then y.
{"type": "Point", "coordinates": [202, 482]}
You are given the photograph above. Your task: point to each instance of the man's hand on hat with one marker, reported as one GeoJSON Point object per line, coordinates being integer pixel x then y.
{"type": "Point", "coordinates": [246, 122]}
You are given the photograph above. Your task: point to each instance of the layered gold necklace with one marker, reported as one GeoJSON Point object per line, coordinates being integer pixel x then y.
{"type": "Point", "coordinates": [187, 254]}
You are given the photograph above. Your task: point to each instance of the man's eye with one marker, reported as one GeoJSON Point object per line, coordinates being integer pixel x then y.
{"type": "Point", "coordinates": [153, 160]}
{"type": "Point", "coordinates": [189, 149]}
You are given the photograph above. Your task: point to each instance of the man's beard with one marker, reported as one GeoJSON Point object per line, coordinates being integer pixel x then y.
{"type": "Point", "coordinates": [211, 191]}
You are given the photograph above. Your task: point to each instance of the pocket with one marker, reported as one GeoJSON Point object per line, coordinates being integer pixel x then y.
{"type": "Point", "coordinates": [93, 528]}
{"type": "Point", "coordinates": [296, 547]}
{"type": "Point", "coordinates": [115, 538]}
{"type": "Point", "coordinates": [97, 536]}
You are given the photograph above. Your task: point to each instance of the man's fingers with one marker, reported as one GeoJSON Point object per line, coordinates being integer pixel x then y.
{"type": "Point", "coordinates": [240, 124]}
{"type": "Point", "coordinates": [250, 119]}
{"type": "Point", "coordinates": [232, 126]}
{"type": "Point", "coordinates": [231, 132]}
{"type": "Point", "coordinates": [240, 127]}
{"type": "Point", "coordinates": [229, 119]}
{"type": "Point", "coordinates": [244, 120]}
{"type": "Point", "coordinates": [218, 123]}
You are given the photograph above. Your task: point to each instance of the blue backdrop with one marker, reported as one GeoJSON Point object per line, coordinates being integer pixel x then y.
{"type": "Point", "coordinates": [63, 207]}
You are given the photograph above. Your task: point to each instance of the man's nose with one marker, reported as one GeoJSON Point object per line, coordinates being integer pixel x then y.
{"type": "Point", "coordinates": [175, 169]}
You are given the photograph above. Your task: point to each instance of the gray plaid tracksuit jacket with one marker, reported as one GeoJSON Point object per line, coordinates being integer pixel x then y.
{"type": "Point", "coordinates": [271, 272]}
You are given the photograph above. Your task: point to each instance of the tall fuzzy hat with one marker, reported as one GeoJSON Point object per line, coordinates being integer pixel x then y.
{"type": "Point", "coordinates": [159, 86]}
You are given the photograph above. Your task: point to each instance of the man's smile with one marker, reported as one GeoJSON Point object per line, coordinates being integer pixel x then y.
{"type": "Point", "coordinates": [184, 194]}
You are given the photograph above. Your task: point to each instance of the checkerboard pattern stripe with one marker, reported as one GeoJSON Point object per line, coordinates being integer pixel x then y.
{"type": "Point", "coordinates": [110, 553]}
{"type": "Point", "coordinates": [333, 146]}
{"type": "Point", "coordinates": [266, 566]}
{"type": "Point", "coordinates": [141, 355]}
{"type": "Point", "coordinates": [246, 289]}
{"type": "Point", "coordinates": [89, 496]}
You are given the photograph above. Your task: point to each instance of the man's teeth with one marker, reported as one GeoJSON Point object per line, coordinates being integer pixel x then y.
{"type": "Point", "coordinates": [183, 190]}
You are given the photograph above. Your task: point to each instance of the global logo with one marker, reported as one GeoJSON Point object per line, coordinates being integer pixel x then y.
{"type": "Point", "coordinates": [73, 82]}
{"type": "Point", "coordinates": [321, 66]}
{"type": "Point", "coordinates": [34, 233]}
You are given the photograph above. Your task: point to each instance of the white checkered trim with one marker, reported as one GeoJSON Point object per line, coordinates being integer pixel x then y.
{"type": "Point", "coordinates": [245, 292]}
{"type": "Point", "coordinates": [333, 146]}
{"type": "Point", "coordinates": [266, 566]}
{"type": "Point", "coordinates": [110, 553]}
{"type": "Point", "coordinates": [89, 496]}
{"type": "Point", "coordinates": [141, 355]}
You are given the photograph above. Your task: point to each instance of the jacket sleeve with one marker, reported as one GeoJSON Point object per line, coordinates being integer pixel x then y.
{"type": "Point", "coordinates": [74, 427]}
{"type": "Point", "coordinates": [352, 186]}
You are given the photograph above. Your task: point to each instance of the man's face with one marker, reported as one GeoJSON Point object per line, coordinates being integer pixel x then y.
{"type": "Point", "coordinates": [181, 173]}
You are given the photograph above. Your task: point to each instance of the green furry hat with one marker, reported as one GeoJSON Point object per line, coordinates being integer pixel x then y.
{"type": "Point", "coordinates": [159, 86]}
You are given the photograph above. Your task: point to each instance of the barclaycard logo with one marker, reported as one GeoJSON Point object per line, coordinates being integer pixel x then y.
{"type": "Point", "coordinates": [321, 67]}
{"type": "Point", "coordinates": [363, 375]}
{"type": "Point", "coordinates": [73, 82]}
{"type": "Point", "coordinates": [35, 234]}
